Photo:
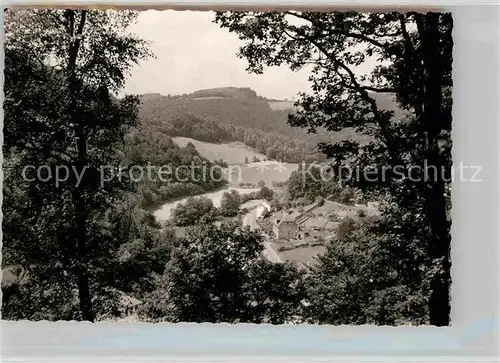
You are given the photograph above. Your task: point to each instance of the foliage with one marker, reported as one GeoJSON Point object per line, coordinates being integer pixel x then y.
{"type": "Point", "coordinates": [356, 281]}
{"type": "Point", "coordinates": [347, 196]}
{"type": "Point", "coordinates": [62, 68]}
{"type": "Point", "coordinates": [144, 248]}
{"type": "Point", "coordinates": [37, 300]}
{"type": "Point", "coordinates": [171, 172]}
{"type": "Point", "coordinates": [192, 211]}
{"type": "Point", "coordinates": [413, 56]}
{"type": "Point", "coordinates": [308, 182]}
{"type": "Point", "coordinates": [345, 228]}
{"type": "Point", "coordinates": [216, 276]}
{"type": "Point", "coordinates": [266, 193]}
{"type": "Point", "coordinates": [230, 204]}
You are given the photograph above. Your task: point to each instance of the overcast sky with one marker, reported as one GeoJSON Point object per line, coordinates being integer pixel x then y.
{"type": "Point", "coordinates": [193, 53]}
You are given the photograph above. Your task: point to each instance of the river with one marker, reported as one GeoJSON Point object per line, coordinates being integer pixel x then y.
{"type": "Point", "coordinates": [165, 211]}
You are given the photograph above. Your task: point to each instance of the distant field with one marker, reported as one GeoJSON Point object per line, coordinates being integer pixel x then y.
{"type": "Point", "coordinates": [281, 105]}
{"type": "Point", "coordinates": [234, 154]}
{"type": "Point", "coordinates": [267, 172]}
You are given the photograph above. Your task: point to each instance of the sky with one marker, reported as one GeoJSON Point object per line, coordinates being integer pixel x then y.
{"type": "Point", "coordinates": [194, 53]}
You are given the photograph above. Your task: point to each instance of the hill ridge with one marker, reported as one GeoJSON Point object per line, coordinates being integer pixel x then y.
{"type": "Point", "coordinates": [219, 92]}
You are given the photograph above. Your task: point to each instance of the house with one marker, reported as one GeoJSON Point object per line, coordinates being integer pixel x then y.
{"type": "Point", "coordinates": [319, 223]}
{"type": "Point", "coordinates": [13, 274]}
{"type": "Point", "coordinates": [307, 212]}
{"type": "Point", "coordinates": [315, 223]}
{"type": "Point", "coordinates": [266, 205]}
{"type": "Point", "coordinates": [311, 221]}
{"type": "Point", "coordinates": [285, 225]}
{"type": "Point", "coordinates": [349, 213]}
{"type": "Point", "coordinates": [129, 304]}
{"type": "Point", "coordinates": [318, 219]}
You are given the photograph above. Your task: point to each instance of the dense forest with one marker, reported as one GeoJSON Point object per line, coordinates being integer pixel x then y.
{"type": "Point", "coordinates": [150, 145]}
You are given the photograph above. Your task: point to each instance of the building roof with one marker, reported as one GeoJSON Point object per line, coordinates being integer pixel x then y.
{"type": "Point", "coordinates": [310, 207]}
{"type": "Point", "coordinates": [310, 216]}
{"type": "Point", "coordinates": [290, 217]}
{"type": "Point", "coordinates": [306, 240]}
{"type": "Point", "coordinates": [315, 222]}
{"type": "Point", "coordinates": [335, 205]}
{"type": "Point", "coordinates": [128, 300]}
{"type": "Point", "coordinates": [281, 217]}
{"type": "Point", "coordinates": [8, 277]}
{"type": "Point", "coordinates": [331, 225]}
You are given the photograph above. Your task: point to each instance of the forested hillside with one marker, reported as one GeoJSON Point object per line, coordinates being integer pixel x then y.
{"type": "Point", "coordinates": [235, 114]}
{"type": "Point", "coordinates": [225, 92]}
{"type": "Point", "coordinates": [151, 145]}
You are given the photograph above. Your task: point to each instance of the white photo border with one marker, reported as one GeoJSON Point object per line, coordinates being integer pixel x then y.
{"type": "Point", "coordinates": [474, 334]}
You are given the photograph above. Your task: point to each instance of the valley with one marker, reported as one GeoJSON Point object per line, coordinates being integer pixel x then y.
{"type": "Point", "coordinates": [139, 186]}
{"type": "Point", "coordinates": [238, 173]}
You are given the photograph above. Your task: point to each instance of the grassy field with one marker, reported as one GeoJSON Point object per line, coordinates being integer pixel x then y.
{"type": "Point", "coordinates": [281, 105]}
{"type": "Point", "coordinates": [234, 154]}
{"type": "Point", "coordinates": [266, 172]}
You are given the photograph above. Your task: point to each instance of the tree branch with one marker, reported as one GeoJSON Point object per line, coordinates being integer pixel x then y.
{"type": "Point", "coordinates": [412, 55]}
{"type": "Point", "coordinates": [383, 124]}
{"type": "Point", "coordinates": [379, 90]}
{"type": "Point", "coordinates": [366, 88]}
{"type": "Point", "coordinates": [75, 38]}
{"type": "Point", "coordinates": [338, 31]}
{"type": "Point", "coordinates": [395, 34]}
{"type": "Point", "coordinates": [408, 43]}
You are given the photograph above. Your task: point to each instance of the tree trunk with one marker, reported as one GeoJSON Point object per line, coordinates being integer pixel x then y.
{"type": "Point", "coordinates": [81, 238]}
{"type": "Point", "coordinates": [439, 250]}
{"type": "Point", "coordinates": [77, 119]}
{"type": "Point", "coordinates": [439, 236]}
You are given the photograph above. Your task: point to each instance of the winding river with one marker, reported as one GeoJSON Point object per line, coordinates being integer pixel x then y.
{"type": "Point", "coordinates": [165, 211]}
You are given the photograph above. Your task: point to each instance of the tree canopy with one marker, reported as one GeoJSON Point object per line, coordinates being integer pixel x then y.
{"type": "Point", "coordinates": [192, 211]}
{"type": "Point", "coordinates": [62, 70]}
{"type": "Point", "coordinates": [217, 277]}
{"type": "Point", "coordinates": [230, 203]}
{"type": "Point", "coordinates": [412, 53]}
